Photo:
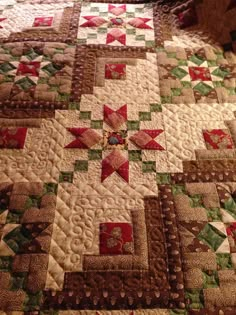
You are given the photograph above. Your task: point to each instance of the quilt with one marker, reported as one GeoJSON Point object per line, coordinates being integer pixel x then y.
{"type": "Point", "coordinates": [117, 162]}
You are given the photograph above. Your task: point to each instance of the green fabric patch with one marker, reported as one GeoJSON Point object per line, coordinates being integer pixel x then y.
{"type": "Point", "coordinates": [18, 281]}
{"type": "Point", "coordinates": [6, 67]}
{"type": "Point", "coordinates": [96, 124]}
{"type": "Point", "coordinates": [51, 69]}
{"type": "Point", "coordinates": [81, 166]}
{"type": "Point", "coordinates": [176, 91]}
{"type": "Point", "coordinates": [163, 178]}
{"type": "Point", "coordinates": [224, 261]}
{"type": "Point", "coordinates": [178, 190]}
{"type": "Point", "coordinates": [14, 216]}
{"type": "Point", "coordinates": [214, 214]}
{"type": "Point", "coordinates": [149, 43]}
{"type": "Point", "coordinates": [102, 30]}
{"type": "Point", "coordinates": [5, 263]}
{"type": "Point", "coordinates": [218, 84]}
{"type": "Point", "coordinates": [182, 62]}
{"type": "Point", "coordinates": [155, 107]}
{"type": "Point", "coordinates": [221, 73]}
{"type": "Point", "coordinates": [171, 54]}
{"type": "Point", "coordinates": [149, 166]}
{"type": "Point", "coordinates": [33, 301]}
{"type": "Point", "coordinates": [179, 72]}
{"type": "Point", "coordinates": [211, 236]}
{"type": "Point", "coordinates": [135, 155]}
{"type": "Point", "coordinates": [25, 83]}
{"type": "Point", "coordinates": [140, 37]}
{"type": "Point", "coordinates": [145, 116]}
{"type": "Point", "coordinates": [130, 31]}
{"type": "Point", "coordinates": [194, 298]}
{"type": "Point", "coordinates": [196, 201]}
{"type": "Point", "coordinates": [50, 188]}
{"type": "Point", "coordinates": [92, 36]}
{"type": "Point", "coordinates": [203, 88]}
{"type": "Point", "coordinates": [85, 115]}
{"type": "Point", "coordinates": [66, 177]}
{"type": "Point", "coordinates": [133, 125]}
{"type": "Point", "coordinates": [212, 63]}
{"type": "Point", "coordinates": [74, 106]}
{"type": "Point", "coordinates": [130, 14]}
{"type": "Point", "coordinates": [166, 99]}
{"type": "Point", "coordinates": [210, 279]}
{"type": "Point", "coordinates": [16, 238]}
{"type": "Point", "coordinates": [33, 202]}
{"type": "Point", "coordinates": [94, 154]}
{"type": "Point", "coordinates": [186, 84]}
{"type": "Point", "coordinates": [230, 206]}
{"type": "Point", "coordinates": [196, 59]}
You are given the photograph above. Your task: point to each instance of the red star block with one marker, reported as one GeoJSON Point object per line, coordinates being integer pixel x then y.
{"type": "Point", "coordinates": [93, 21]}
{"type": "Point", "coordinates": [115, 162]}
{"type": "Point", "coordinates": [2, 19]}
{"type": "Point", "coordinates": [140, 23]}
{"type": "Point", "coordinates": [116, 34]}
{"type": "Point", "coordinates": [199, 74]}
{"type": "Point", "coordinates": [28, 69]}
{"type": "Point", "coordinates": [85, 138]}
{"type": "Point", "coordinates": [217, 139]}
{"type": "Point", "coordinates": [145, 139]}
{"type": "Point", "coordinates": [115, 118]}
{"type": "Point", "coordinates": [116, 239]}
{"type": "Point", "coordinates": [12, 138]}
{"type": "Point", "coordinates": [43, 21]}
{"type": "Point", "coordinates": [117, 10]}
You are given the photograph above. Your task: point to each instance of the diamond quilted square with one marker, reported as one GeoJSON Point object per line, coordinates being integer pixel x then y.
{"type": "Point", "coordinates": [217, 139]}
{"type": "Point", "coordinates": [115, 71]}
{"type": "Point", "coordinates": [43, 21]}
{"type": "Point", "coordinates": [116, 239]}
{"type": "Point", "coordinates": [199, 74]}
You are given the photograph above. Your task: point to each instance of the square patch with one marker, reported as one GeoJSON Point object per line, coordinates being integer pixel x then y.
{"type": "Point", "coordinates": [217, 139]}
{"type": "Point", "coordinates": [116, 239]}
{"type": "Point", "coordinates": [199, 74]}
{"type": "Point", "coordinates": [115, 71]}
{"type": "Point", "coordinates": [43, 21]}
{"type": "Point", "coordinates": [28, 69]}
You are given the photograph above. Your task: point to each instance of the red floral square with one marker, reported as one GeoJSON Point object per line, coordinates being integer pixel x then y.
{"type": "Point", "coordinates": [199, 74]}
{"type": "Point", "coordinates": [29, 69]}
{"type": "Point", "coordinates": [43, 21]}
{"type": "Point", "coordinates": [12, 138]}
{"type": "Point", "coordinates": [217, 139]}
{"type": "Point", "coordinates": [115, 71]}
{"type": "Point", "coordinates": [116, 239]}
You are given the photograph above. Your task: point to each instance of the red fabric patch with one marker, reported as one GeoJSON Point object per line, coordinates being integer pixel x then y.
{"type": "Point", "coordinates": [115, 71]}
{"type": "Point", "coordinates": [115, 118]}
{"type": "Point", "coordinates": [12, 138]}
{"type": "Point", "coordinates": [85, 138]}
{"type": "Point", "coordinates": [29, 69]}
{"type": "Point", "coordinates": [145, 139]}
{"type": "Point", "coordinates": [199, 74]}
{"type": "Point", "coordinates": [1, 20]}
{"type": "Point", "coordinates": [116, 34]}
{"type": "Point", "coordinates": [117, 10]}
{"type": "Point", "coordinates": [140, 23]}
{"type": "Point", "coordinates": [116, 239]}
{"type": "Point", "coordinates": [115, 162]}
{"type": "Point", "coordinates": [231, 232]}
{"type": "Point", "coordinates": [217, 139]}
{"type": "Point", "coordinates": [93, 21]}
{"type": "Point", "coordinates": [43, 21]}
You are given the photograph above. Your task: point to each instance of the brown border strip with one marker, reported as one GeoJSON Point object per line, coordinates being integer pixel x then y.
{"type": "Point", "coordinates": [128, 289]}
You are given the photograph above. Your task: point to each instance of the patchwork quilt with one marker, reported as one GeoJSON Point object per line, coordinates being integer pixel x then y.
{"type": "Point", "coordinates": [117, 162]}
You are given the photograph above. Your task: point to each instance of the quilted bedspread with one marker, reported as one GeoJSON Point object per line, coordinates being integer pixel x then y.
{"type": "Point", "coordinates": [117, 162]}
